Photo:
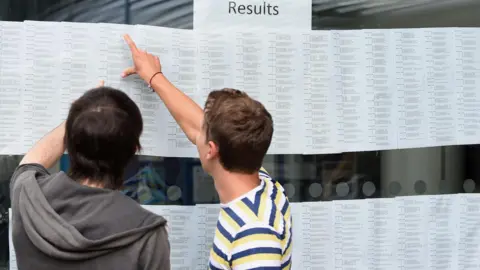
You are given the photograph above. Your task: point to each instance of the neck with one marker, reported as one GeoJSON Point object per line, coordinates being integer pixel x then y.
{"type": "Point", "coordinates": [231, 186]}
{"type": "Point", "coordinates": [89, 183]}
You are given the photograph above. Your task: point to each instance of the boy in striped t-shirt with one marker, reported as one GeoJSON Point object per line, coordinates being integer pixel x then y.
{"type": "Point", "coordinates": [254, 231]}
{"type": "Point", "coordinates": [232, 135]}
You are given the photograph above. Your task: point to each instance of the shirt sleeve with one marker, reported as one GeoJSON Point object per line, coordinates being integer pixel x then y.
{"type": "Point", "coordinates": [256, 247]}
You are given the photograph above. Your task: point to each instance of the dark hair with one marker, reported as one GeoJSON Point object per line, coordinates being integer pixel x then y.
{"type": "Point", "coordinates": [240, 126]}
{"type": "Point", "coordinates": [102, 135]}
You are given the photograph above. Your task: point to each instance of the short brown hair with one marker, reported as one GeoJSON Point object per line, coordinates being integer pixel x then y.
{"type": "Point", "coordinates": [240, 126]}
{"type": "Point", "coordinates": [102, 135]}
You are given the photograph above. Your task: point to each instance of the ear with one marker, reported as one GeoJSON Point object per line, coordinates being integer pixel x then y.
{"type": "Point", "coordinates": [212, 150]}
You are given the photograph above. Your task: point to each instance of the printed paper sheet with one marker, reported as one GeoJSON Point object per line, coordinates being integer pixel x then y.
{"type": "Point", "coordinates": [327, 91]}
{"type": "Point", "coordinates": [416, 232]}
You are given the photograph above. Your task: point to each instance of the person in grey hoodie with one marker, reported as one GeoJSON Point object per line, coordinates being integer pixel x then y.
{"type": "Point", "coordinates": [81, 220]}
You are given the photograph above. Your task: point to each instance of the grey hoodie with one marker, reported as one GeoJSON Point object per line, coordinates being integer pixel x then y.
{"type": "Point", "coordinates": [58, 223]}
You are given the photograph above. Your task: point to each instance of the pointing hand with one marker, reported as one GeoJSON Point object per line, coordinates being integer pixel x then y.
{"type": "Point", "coordinates": [145, 64]}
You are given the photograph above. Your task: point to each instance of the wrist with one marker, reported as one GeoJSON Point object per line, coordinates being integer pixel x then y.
{"type": "Point", "coordinates": [147, 76]}
{"type": "Point", "coordinates": [153, 77]}
{"type": "Point", "coordinates": [158, 81]}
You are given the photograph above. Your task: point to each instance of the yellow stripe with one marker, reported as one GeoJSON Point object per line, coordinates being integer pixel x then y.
{"type": "Point", "coordinates": [256, 237]}
{"type": "Point", "coordinates": [229, 220]}
{"type": "Point", "coordinates": [263, 170]}
{"type": "Point", "coordinates": [287, 228]}
{"type": "Point", "coordinates": [287, 236]}
{"type": "Point", "coordinates": [278, 213]}
{"type": "Point", "coordinates": [279, 195]}
{"type": "Point", "coordinates": [287, 215]}
{"type": "Point", "coordinates": [289, 249]}
{"type": "Point", "coordinates": [218, 259]}
{"type": "Point", "coordinates": [263, 202]}
{"type": "Point", "coordinates": [257, 257]}
{"type": "Point", "coordinates": [276, 220]}
{"type": "Point", "coordinates": [219, 236]}
{"type": "Point", "coordinates": [247, 211]}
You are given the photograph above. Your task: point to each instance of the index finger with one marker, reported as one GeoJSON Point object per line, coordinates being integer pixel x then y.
{"type": "Point", "coordinates": [130, 43]}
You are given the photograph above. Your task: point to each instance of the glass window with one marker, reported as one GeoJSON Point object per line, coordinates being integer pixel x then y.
{"type": "Point", "coordinates": [161, 180]}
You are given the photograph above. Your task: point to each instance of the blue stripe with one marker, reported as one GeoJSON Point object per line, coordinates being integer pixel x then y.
{"type": "Point", "coordinates": [259, 250]}
{"type": "Point", "coordinates": [234, 216]}
{"type": "Point", "coordinates": [261, 175]}
{"type": "Point", "coordinates": [286, 263]}
{"type": "Point", "coordinates": [271, 220]}
{"type": "Point", "coordinates": [258, 197]}
{"type": "Point", "coordinates": [250, 205]}
{"type": "Point", "coordinates": [210, 265]}
{"type": "Point", "coordinates": [285, 222]}
{"type": "Point", "coordinates": [274, 193]}
{"type": "Point", "coordinates": [256, 204]}
{"type": "Point", "coordinates": [264, 174]}
{"type": "Point", "coordinates": [289, 240]}
{"type": "Point", "coordinates": [220, 254]}
{"type": "Point", "coordinates": [224, 232]}
{"type": "Point", "coordinates": [285, 207]}
{"type": "Point", "coordinates": [254, 231]}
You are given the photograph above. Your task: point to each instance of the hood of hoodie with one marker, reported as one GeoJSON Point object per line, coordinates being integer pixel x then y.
{"type": "Point", "coordinates": [69, 221]}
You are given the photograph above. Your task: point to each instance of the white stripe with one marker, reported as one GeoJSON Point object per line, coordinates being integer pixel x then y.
{"type": "Point", "coordinates": [227, 226]}
{"type": "Point", "coordinates": [281, 223]}
{"type": "Point", "coordinates": [256, 244]}
{"type": "Point", "coordinates": [221, 246]}
{"type": "Point", "coordinates": [268, 210]}
{"type": "Point", "coordinates": [251, 197]}
{"type": "Point", "coordinates": [269, 203]}
{"type": "Point", "coordinates": [264, 176]}
{"type": "Point", "coordinates": [287, 236]}
{"type": "Point", "coordinates": [281, 203]}
{"type": "Point", "coordinates": [217, 264]}
{"type": "Point", "coordinates": [237, 210]}
{"type": "Point", "coordinates": [255, 264]}
{"type": "Point", "coordinates": [280, 188]}
{"type": "Point", "coordinates": [286, 258]}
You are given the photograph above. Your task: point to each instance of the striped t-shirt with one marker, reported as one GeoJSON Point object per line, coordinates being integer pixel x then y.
{"type": "Point", "coordinates": [255, 230]}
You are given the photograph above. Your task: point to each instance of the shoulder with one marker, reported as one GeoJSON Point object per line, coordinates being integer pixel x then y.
{"type": "Point", "coordinates": [275, 189]}
{"type": "Point", "coordinates": [264, 175]}
{"type": "Point", "coordinates": [149, 216]}
{"type": "Point", "coordinates": [31, 169]}
{"type": "Point", "coordinates": [28, 171]}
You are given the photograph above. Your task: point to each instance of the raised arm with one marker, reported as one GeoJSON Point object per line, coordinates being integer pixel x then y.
{"type": "Point", "coordinates": [185, 111]}
{"type": "Point", "coordinates": [48, 150]}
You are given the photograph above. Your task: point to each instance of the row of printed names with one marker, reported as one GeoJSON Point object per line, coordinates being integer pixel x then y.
{"type": "Point", "coordinates": [415, 232]}
{"type": "Point", "coordinates": [328, 91]}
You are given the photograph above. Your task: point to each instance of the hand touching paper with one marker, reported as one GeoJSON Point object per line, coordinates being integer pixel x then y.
{"type": "Point", "coordinates": [145, 64]}
{"type": "Point", "coordinates": [185, 111]}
